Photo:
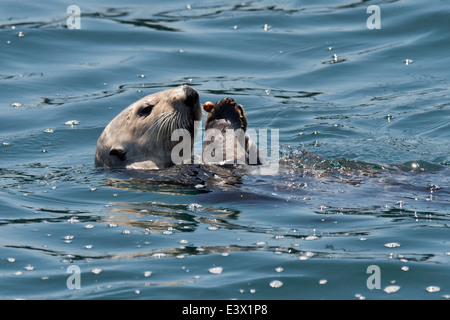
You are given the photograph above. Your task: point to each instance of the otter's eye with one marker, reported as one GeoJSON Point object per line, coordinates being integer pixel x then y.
{"type": "Point", "coordinates": [121, 154]}
{"type": "Point", "coordinates": [145, 111]}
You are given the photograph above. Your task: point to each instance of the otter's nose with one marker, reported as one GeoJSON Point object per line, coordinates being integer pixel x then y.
{"type": "Point", "coordinates": [192, 98]}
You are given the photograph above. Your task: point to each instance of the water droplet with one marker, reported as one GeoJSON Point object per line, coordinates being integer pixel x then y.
{"type": "Point", "coordinates": [276, 284]}
{"type": "Point", "coordinates": [391, 289]}
{"type": "Point", "coordinates": [194, 206]}
{"type": "Point", "coordinates": [96, 271]}
{"type": "Point", "coordinates": [216, 270]}
{"type": "Point", "coordinates": [147, 274]}
{"type": "Point", "coordinates": [432, 289]}
{"type": "Point", "coordinates": [392, 245]}
{"type": "Point", "coordinates": [72, 122]}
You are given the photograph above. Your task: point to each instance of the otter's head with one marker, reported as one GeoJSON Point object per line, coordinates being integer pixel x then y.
{"type": "Point", "coordinates": [140, 136]}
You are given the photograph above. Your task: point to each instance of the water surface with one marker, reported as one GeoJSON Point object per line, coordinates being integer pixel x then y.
{"type": "Point", "coordinates": [363, 117]}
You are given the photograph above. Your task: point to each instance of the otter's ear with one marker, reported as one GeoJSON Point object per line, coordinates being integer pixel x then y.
{"type": "Point", "coordinates": [119, 153]}
{"type": "Point", "coordinates": [242, 116]}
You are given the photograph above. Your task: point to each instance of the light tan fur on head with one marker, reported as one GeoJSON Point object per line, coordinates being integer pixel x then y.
{"type": "Point", "coordinates": [140, 136]}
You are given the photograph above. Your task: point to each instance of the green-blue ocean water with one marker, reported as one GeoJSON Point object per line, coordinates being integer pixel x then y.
{"type": "Point", "coordinates": [364, 124]}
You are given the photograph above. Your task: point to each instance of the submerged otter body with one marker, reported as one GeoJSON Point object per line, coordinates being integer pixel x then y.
{"type": "Point", "coordinates": [140, 136]}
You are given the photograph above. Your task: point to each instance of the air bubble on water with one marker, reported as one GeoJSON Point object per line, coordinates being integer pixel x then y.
{"type": "Point", "coordinates": [276, 284]}
{"type": "Point", "coordinates": [215, 270]}
{"type": "Point", "coordinates": [21, 34]}
{"type": "Point", "coordinates": [432, 289]}
{"type": "Point", "coordinates": [391, 289]}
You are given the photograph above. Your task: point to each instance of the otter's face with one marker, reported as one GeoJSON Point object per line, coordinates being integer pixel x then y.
{"type": "Point", "coordinates": [140, 136]}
